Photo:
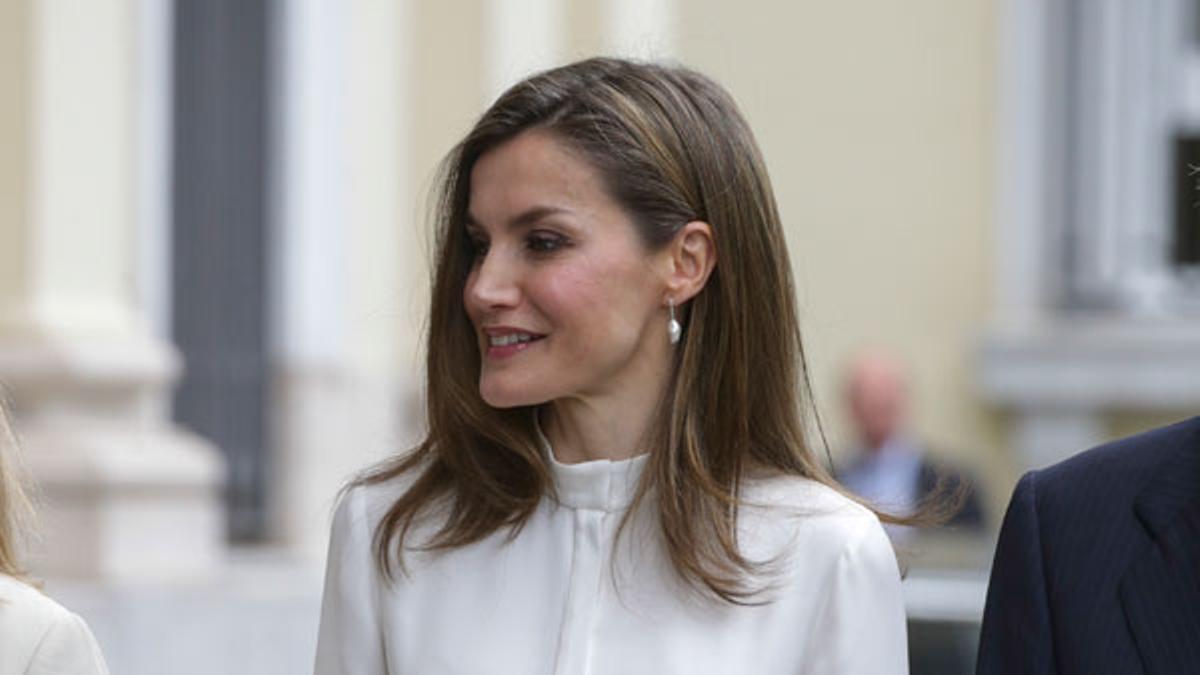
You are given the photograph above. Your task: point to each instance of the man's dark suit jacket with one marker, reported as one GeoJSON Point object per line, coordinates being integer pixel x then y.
{"type": "Point", "coordinates": [1098, 566]}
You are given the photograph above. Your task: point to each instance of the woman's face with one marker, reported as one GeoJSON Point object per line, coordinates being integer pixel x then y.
{"type": "Point", "coordinates": [565, 300]}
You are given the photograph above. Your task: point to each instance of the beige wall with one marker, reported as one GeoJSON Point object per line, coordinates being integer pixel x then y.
{"type": "Point", "coordinates": [445, 97]}
{"type": "Point", "coordinates": [876, 122]}
{"type": "Point", "coordinates": [585, 22]}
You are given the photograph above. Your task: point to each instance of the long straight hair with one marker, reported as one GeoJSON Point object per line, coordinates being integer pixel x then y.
{"type": "Point", "coordinates": [672, 148]}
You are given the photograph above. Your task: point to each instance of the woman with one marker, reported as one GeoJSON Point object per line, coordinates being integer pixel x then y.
{"type": "Point", "coordinates": [37, 635]}
{"type": "Point", "coordinates": [616, 477]}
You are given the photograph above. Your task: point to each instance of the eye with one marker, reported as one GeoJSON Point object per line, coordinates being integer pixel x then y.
{"type": "Point", "coordinates": [541, 242]}
{"type": "Point", "coordinates": [477, 246]}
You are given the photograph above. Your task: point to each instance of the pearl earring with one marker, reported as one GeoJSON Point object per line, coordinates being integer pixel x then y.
{"type": "Point", "coordinates": [674, 330]}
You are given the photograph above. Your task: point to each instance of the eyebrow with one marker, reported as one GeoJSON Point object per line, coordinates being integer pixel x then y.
{"type": "Point", "coordinates": [524, 219]}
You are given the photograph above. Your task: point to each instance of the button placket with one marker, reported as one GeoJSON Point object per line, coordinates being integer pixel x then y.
{"type": "Point", "coordinates": [582, 595]}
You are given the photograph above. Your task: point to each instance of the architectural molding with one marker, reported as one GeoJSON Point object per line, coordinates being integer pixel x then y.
{"type": "Point", "coordinates": [340, 257]}
{"type": "Point", "coordinates": [154, 58]}
{"type": "Point", "coordinates": [125, 495]}
{"type": "Point", "coordinates": [1088, 317]}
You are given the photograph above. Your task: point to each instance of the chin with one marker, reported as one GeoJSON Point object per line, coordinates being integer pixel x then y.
{"type": "Point", "coordinates": [498, 396]}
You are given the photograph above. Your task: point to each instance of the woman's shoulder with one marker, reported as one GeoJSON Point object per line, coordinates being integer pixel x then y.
{"type": "Point", "coordinates": [363, 503]}
{"type": "Point", "coordinates": [831, 565]}
{"type": "Point", "coordinates": [366, 501]}
{"type": "Point", "coordinates": [24, 609]}
{"type": "Point", "coordinates": [802, 495]}
{"type": "Point", "coordinates": [33, 627]}
{"type": "Point", "coordinates": [784, 514]}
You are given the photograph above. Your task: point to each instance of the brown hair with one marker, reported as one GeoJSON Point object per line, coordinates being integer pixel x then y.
{"type": "Point", "coordinates": [672, 148]}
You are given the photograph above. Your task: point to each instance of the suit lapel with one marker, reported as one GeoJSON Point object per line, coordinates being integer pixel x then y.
{"type": "Point", "coordinates": [1160, 591]}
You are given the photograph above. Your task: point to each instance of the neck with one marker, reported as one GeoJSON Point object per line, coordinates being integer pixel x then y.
{"type": "Point", "coordinates": [582, 431]}
{"type": "Point", "coordinates": [588, 429]}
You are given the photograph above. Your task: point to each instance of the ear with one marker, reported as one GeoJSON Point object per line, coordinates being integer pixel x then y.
{"type": "Point", "coordinates": [690, 258]}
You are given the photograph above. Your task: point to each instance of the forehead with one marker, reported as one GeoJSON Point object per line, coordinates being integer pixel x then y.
{"type": "Point", "coordinates": [534, 169]}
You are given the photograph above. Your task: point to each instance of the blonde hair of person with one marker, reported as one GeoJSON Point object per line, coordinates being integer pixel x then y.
{"type": "Point", "coordinates": [15, 509]}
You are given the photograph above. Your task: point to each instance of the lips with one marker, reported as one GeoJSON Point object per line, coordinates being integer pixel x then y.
{"type": "Point", "coordinates": [511, 339]}
{"type": "Point", "coordinates": [507, 341]}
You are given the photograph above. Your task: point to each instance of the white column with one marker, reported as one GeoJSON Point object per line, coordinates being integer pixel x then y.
{"type": "Point", "coordinates": [339, 256]}
{"type": "Point", "coordinates": [1086, 97]}
{"type": "Point", "coordinates": [1024, 166]}
{"type": "Point", "coordinates": [308, 407]}
{"type": "Point", "coordinates": [1123, 83]}
{"type": "Point", "coordinates": [127, 496]}
{"type": "Point", "coordinates": [310, 266]}
{"type": "Point", "coordinates": [388, 232]}
{"type": "Point", "coordinates": [643, 29]}
{"type": "Point", "coordinates": [1178, 20]}
{"type": "Point", "coordinates": [1060, 381]}
{"type": "Point", "coordinates": [520, 37]}
{"type": "Point", "coordinates": [153, 60]}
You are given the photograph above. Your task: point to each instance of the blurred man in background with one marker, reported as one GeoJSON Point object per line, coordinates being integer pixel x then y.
{"type": "Point", "coordinates": [891, 467]}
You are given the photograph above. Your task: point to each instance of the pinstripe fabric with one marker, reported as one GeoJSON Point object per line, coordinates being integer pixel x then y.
{"type": "Point", "coordinates": [1161, 591]}
{"type": "Point", "coordinates": [1097, 570]}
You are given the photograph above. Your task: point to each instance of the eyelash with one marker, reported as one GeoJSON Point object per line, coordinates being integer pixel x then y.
{"type": "Point", "coordinates": [535, 243]}
{"type": "Point", "coordinates": [541, 243]}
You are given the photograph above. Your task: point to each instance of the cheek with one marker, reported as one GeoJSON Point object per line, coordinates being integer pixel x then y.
{"type": "Point", "coordinates": [596, 303]}
{"type": "Point", "coordinates": [566, 297]}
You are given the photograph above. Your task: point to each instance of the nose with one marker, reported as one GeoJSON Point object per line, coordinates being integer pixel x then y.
{"type": "Point", "coordinates": [492, 284]}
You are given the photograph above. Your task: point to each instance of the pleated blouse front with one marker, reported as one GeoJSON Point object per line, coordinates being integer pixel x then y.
{"type": "Point", "coordinates": [560, 599]}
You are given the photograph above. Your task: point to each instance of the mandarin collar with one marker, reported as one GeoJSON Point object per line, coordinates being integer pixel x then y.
{"type": "Point", "coordinates": [599, 485]}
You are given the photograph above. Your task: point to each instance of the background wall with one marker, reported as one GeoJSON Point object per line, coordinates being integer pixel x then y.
{"type": "Point", "coordinates": [876, 122]}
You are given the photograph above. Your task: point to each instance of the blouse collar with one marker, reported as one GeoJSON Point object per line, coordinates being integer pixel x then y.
{"type": "Point", "coordinates": [601, 485]}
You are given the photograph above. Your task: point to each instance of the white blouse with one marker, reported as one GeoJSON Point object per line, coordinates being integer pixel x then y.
{"type": "Point", "coordinates": [39, 637]}
{"type": "Point", "coordinates": [556, 599]}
